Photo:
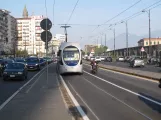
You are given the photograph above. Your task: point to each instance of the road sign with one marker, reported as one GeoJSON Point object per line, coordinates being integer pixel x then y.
{"type": "Point", "coordinates": [46, 35]}
{"type": "Point", "coordinates": [46, 24]}
{"type": "Point", "coordinates": [142, 49]}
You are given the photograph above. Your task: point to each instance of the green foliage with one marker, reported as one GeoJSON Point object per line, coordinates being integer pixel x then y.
{"type": "Point", "coordinates": [100, 50]}
{"type": "Point", "coordinates": [21, 53]}
{"type": "Point", "coordinates": [83, 53]}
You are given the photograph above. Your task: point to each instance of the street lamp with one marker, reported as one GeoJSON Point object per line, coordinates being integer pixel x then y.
{"type": "Point", "coordinates": [126, 36]}
{"type": "Point", "coordinates": [114, 37]}
{"type": "Point", "coordinates": [148, 11]}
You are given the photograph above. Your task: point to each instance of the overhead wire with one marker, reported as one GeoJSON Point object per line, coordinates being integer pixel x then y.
{"type": "Point", "coordinates": [72, 12]}
{"type": "Point", "coordinates": [139, 13]}
{"type": "Point", "coordinates": [118, 14]}
{"type": "Point", "coordinates": [53, 11]}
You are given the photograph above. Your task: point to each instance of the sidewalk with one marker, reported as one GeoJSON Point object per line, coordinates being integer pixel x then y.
{"type": "Point", "coordinates": [40, 100]}
{"type": "Point", "coordinates": [145, 74]}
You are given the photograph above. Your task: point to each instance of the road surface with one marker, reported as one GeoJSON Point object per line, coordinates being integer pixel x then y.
{"type": "Point", "coordinates": [112, 96]}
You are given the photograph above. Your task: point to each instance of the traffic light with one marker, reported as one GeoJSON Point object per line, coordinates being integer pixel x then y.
{"type": "Point", "coordinates": [46, 35]}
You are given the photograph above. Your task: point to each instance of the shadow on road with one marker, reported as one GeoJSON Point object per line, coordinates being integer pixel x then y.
{"type": "Point", "coordinates": [75, 112]}
{"type": "Point", "coordinates": [152, 105]}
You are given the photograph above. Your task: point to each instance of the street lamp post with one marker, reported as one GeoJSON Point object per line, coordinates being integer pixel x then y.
{"type": "Point", "coordinates": [149, 51]}
{"type": "Point", "coordinates": [126, 37]}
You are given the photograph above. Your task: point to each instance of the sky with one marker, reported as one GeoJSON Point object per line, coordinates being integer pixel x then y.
{"type": "Point", "coordinates": [89, 14]}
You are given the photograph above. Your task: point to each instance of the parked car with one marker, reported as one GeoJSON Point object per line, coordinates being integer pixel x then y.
{"type": "Point", "coordinates": [15, 71]}
{"type": "Point", "coordinates": [98, 59]}
{"type": "Point", "coordinates": [2, 66]}
{"type": "Point", "coordinates": [152, 61]}
{"type": "Point", "coordinates": [33, 63]}
{"type": "Point", "coordinates": [1, 70]}
{"type": "Point", "coordinates": [120, 59]}
{"type": "Point", "coordinates": [108, 59]}
{"type": "Point", "coordinates": [127, 58]}
{"type": "Point", "coordinates": [21, 60]}
{"type": "Point", "coordinates": [6, 61]}
{"type": "Point", "coordinates": [48, 59]}
{"type": "Point", "coordinates": [91, 58]}
{"type": "Point", "coordinates": [137, 62]}
{"type": "Point", "coordinates": [103, 58]}
{"type": "Point", "coordinates": [42, 61]}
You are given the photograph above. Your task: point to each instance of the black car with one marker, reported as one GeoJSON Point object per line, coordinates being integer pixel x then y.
{"type": "Point", "coordinates": [2, 66]}
{"type": "Point", "coordinates": [15, 71]}
{"type": "Point", "coordinates": [108, 59]}
{"type": "Point", "coordinates": [33, 63]}
{"type": "Point", "coordinates": [42, 61]}
{"type": "Point", "coordinates": [20, 60]}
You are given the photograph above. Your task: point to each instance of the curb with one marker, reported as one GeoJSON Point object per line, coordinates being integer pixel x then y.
{"type": "Point", "coordinates": [129, 73]}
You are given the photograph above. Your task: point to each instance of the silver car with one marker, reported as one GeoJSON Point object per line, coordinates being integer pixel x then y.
{"type": "Point", "coordinates": [137, 62]}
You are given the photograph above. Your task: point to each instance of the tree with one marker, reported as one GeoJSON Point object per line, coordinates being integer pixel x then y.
{"type": "Point", "coordinates": [100, 50]}
{"type": "Point", "coordinates": [21, 53]}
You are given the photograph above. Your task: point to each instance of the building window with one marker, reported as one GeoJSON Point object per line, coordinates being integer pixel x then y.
{"type": "Point", "coordinates": [154, 43]}
{"type": "Point", "coordinates": [146, 43]}
{"type": "Point", "coordinates": [150, 43]}
{"type": "Point", "coordinates": [158, 42]}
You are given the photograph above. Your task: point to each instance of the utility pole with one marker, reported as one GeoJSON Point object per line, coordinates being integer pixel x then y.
{"type": "Point", "coordinates": [101, 40]}
{"type": "Point", "coordinates": [149, 34]}
{"type": "Point", "coordinates": [127, 39]}
{"type": "Point", "coordinates": [114, 40]}
{"type": "Point", "coordinates": [65, 31]}
{"type": "Point", "coordinates": [105, 39]}
{"type": "Point", "coordinates": [149, 51]}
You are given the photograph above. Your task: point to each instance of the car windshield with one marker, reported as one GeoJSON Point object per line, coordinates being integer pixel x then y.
{"type": "Point", "coordinates": [32, 60]}
{"type": "Point", "coordinates": [15, 66]}
{"type": "Point", "coordinates": [8, 61]}
{"type": "Point", "coordinates": [97, 57]}
{"type": "Point", "coordinates": [20, 60]}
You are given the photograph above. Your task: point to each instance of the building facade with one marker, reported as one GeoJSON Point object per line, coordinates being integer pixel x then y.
{"type": "Point", "coordinates": [29, 34]}
{"type": "Point", "coordinates": [3, 29]}
{"type": "Point", "coordinates": [60, 37]}
{"type": "Point", "coordinates": [11, 40]}
{"type": "Point", "coordinates": [89, 48]}
{"type": "Point", "coordinates": [54, 45]}
{"type": "Point", "coordinates": [145, 41]}
{"type": "Point", "coordinates": [8, 32]}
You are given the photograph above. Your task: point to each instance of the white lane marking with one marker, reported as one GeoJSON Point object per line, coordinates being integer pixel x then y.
{"type": "Point", "coordinates": [84, 116]}
{"type": "Point", "coordinates": [28, 90]}
{"type": "Point", "coordinates": [83, 101]}
{"type": "Point", "coordinates": [142, 78]}
{"type": "Point", "coordinates": [63, 97]}
{"type": "Point", "coordinates": [137, 94]}
{"type": "Point", "coordinates": [14, 94]}
{"type": "Point", "coordinates": [117, 99]}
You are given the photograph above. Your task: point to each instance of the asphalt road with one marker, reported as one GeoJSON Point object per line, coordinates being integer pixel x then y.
{"type": "Point", "coordinates": [41, 99]}
{"type": "Point", "coordinates": [112, 96]}
{"type": "Point", "coordinates": [7, 88]}
{"type": "Point", "coordinates": [150, 68]}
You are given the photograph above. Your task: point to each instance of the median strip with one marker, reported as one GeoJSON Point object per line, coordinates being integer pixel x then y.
{"type": "Point", "coordinates": [138, 73]}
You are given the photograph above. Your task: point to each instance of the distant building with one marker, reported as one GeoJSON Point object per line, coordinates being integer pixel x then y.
{"type": "Point", "coordinates": [145, 41]}
{"type": "Point", "coordinates": [54, 45]}
{"type": "Point", "coordinates": [89, 48]}
{"type": "Point", "coordinates": [8, 35]}
{"type": "Point", "coordinates": [10, 46]}
{"type": "Point", "coordinates": [29, 34]}
{"type": "Point", "coordinates": [60, 37]}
